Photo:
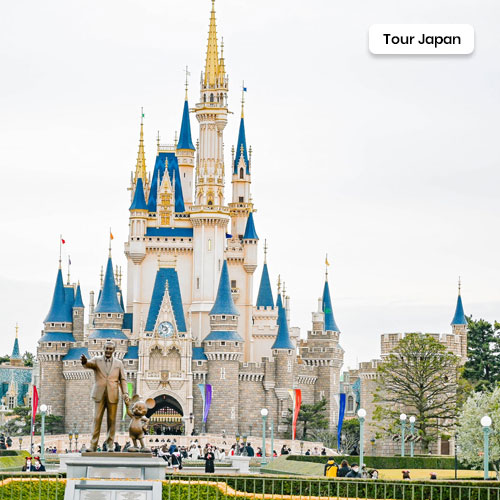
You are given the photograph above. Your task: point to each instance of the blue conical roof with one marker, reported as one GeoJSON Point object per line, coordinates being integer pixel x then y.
{"type": "Point", "coordinates": [265, 296]}
{"type": "Point", "coordinates": [108, 300]}
{"type": "Point", "coordinates": [283, 337]}
{"type": "Point", "coordinates": [185, 141]}
{"type": "Point", "coordinates": [78, 298]}
{"type": "Point", "coordinates": [175, 179]}
{"type": "Point", "coordinates": [16, 354]}
{"type": "Point", "coordinates": [328, 311]}
{"type": "Point", "coordinates": [242, 146]}
{"type": "Point", "coordinates": [58, 312]}
{"type": "Point", "coordinates": [459, 318]}
{"type": "Point", "coordinates": [224, 302]}
{"type": "Point", "coordinates": [250, 232]}
{"type": "Point", "coordinates": [279, 302]}
{"type": "Point", "coordinates": [139, 201]}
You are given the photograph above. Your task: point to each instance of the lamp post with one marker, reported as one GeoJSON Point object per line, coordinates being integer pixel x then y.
{"type": "Point", "coordinates": [264, 413]}
{"type": "Point", "coordinates": [20, 443]}
{"type": "Point", "coordinates": [76, 440]}
{"type": "Point", "coordinates": [272, 438]}
{"type": "Point", "coordinates": [361, 417]}
{"type": "Point", "coordinates": [486, 423]}
{"type": "Point", "coordinates": [70, 435]}
{"type": "Point", "coordinates": [43, 411]}
{"type": "Point", "coordinates": [402, 419]}
{"type": "Point", "coordinates": [412, 430]}
{"type": "Point", "coordinates": [245, 451]}
{"type": "Point", "coordinates": [456, 454]}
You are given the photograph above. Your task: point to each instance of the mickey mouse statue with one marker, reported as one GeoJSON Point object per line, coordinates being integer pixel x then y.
{"type": "Point", "coordinates": [137, 410]}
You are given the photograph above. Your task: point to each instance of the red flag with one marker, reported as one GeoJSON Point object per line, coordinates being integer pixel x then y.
{"type": "Point", "coordinates": [63, 241]}
{"type": "Point", "coordinates": [34, 407]}
{"type": "Point", "coordinates": [296, 409]}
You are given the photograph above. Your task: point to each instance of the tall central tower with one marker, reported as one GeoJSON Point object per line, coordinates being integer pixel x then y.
{"type": "Point", "coordinates": [209, 215]}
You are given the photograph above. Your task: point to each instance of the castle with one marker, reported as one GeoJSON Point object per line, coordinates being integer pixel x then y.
{"type": "Point", "coordinates": [187, 319]}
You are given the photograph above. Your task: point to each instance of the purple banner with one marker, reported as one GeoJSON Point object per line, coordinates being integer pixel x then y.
{"type": "Point", "coordinates": [208, 401]}
{"type": "Point", "coordinates": [341, 419]}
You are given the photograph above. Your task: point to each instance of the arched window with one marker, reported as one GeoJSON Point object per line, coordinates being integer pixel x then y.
{"type": "Point", "coordinates": [211, 98]}
{"type": "Point", "coordinates": [204, 97]}
{"type": "Point", "coordinates": [241, 173]}
{"type": "Point", "coordinates": [210, 203]}
{"type": "Point", "coordinates": [155, 359]}
{"type": "Point", "coordinates": [173, 360]}
{"type": "Point", "coordinates": [350, 404]}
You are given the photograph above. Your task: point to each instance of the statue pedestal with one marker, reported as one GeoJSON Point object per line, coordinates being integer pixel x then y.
{"type": "Point", "coordinates": [241, 463]}
{"type": "Point", "coordinates": [98, 475]}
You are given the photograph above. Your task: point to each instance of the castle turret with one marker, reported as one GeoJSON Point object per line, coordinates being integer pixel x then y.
{"type": "Point", "coordinates": [223, 348]}
{"type": "Point", "coordinates": [185, 155]}
{"type": "Point", "coordinates": [78, 316]}
{"type": "Point", "coordinates": [241, 180]}
{"type": "Point", "coordinates": [15, 357]}
{"type": "Point", "coordinates": [459, 325]}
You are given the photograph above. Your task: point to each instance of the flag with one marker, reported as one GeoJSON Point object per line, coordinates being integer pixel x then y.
{"type": "Point", "coordinates": [244, 89]}
{"type": "Point", "coordinates": [326, 260]}
{"type": "Point", "coordinates": [296, 395]}
{"type": "Point", "coordinates": [341, 420]}
{"type": "Point", "coordinates": [229, 235]}
{"type": "Point", "coordinates": [69, 260]}
{"type": "Point", "coordinates": [63, 241]}
{"type": "Point", "coordinates": [111, 237]}
{"type": "Point", "coordinates": [34, 406]}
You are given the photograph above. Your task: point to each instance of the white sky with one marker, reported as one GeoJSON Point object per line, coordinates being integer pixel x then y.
{"type": "Point", "coordinates": [389, 164]}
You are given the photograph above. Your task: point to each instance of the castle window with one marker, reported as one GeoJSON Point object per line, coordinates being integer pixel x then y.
{"type": "Point", "coordinates": [199, 363]}
{"type": "Point", "coordinates": [95, 341]}
{"type": "Point", "coordinates": [209, 343]}
{"type": "Point", "coordinates": [49, 344]}
{"type": "Point", "coordinates": [241, 173]}
{"type": "Point", "coordinates": [130, 361]}
{"type": "Point", "coordinates": [241, 199]}
{"type": "Point", "coordinates": [223, 373]}
{"type": "Point", "coordinates": [223, 317]}
{"type": "Point", "coordinates": [76, 312]}
{"type": "Point", "coordinates": [222, 343]}
{"type": "Point", "coordinates": [12, 402]}
{"type": "Point", "coordinates": [198, 283]}
{"type": "Point", "coordinates": [52, 324]}
{"type": "Point", "coordinates": [236, 344]}
{"type": "Point", "coordinates": [211, 98]}
{"type": "Point", "coordinates": [110, 315]}
{"type": "Point", "coordinates": [233, 283]}
{"type": "Point", "coordinates": [234, 317]}
{"type": "Point", "coordinates": [350, 404]}
{"type": "Point", "coordinates": [210, 203]}
{"type": "Point", "coordinates": [99, 315]}
{"type": "Point", "coordinates": [63, 325]}
{"type": "Point", "coordinates": [63, 344]}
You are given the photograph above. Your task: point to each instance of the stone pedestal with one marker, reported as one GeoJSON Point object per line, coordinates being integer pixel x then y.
{"type": "Point", "coordinates": [241, 463]}
{"type": "Point", "coordinates": [114, 476]}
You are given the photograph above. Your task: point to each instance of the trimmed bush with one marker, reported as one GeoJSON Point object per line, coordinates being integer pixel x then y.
{"type": "Point", "coordinates": [10, 453]}
{"type": "Point", "coordinates": [421, 462]}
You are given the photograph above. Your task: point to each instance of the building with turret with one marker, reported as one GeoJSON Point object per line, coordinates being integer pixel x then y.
{"type": "Point", "coordinates": [186, 318]}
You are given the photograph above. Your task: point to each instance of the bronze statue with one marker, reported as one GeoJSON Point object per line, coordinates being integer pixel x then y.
{"type": "Point", "coordinates": [138, 421]}
{"type": "Point", "coordinates": [109, 375]}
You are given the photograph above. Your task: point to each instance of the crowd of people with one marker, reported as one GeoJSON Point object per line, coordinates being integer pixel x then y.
{"type": "Point", "coordinates": [332, 469]}
{"type": "Point", "coordinates": [33, 464]}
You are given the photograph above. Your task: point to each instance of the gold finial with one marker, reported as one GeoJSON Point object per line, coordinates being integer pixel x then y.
{"type": "Point", "coordinates": [212, 61]}
{"type": "Point", "coordinates": [459, 285]}
{"type": "Point", "coordinates": [284, 291]}
{"type": "Point", "coordinates": [17, 330]}
{"type": "Point", "coordinates": [326, 267]}
{"type": "Point", "coordinates": [279, 284]}
{"type": "Point", "coordinates": [265, 251]}
{"type": "Point", "coordinates": [140, 168]}
{"type": "Point", "coordinates": [175, 138]}
{"type": "Point", "coordinates": [243, 88]}
{"type": "Point", "coordinates": [158, 142]}
{"type": "Point", "coordinates": [102, 276]}
{"type": "Point", "coordinates": [69, 265]}
{"type": "Point", "coordinates": [187, 83]}
{"type": "Point", "coordinates": [110, 238]}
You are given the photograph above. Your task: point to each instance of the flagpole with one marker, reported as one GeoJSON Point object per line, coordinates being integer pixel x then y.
{"type": "Point", "coordinates": [32, 430]}
{"type": "Point", "coordinates": [60, 249]}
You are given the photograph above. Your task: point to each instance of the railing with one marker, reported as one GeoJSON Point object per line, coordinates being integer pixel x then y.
{"type": "Point", "coordinates": [32, 485]}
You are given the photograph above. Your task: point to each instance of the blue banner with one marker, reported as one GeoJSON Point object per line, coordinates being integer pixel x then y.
{"type": "Point", "coordinates": [341, 418]}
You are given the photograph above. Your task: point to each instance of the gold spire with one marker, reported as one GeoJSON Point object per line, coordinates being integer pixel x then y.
{"type": "Point", "coordinates": [279, 284]}
{"type": "Point", "coordinates": [222, 65]}
{"type": "Point", "coordinates": [69, 265]}
{"type": "Point", "coordinates": [326, 267]}
{"type": "Point", "coordinates": [265, 251]}
{"type": "Point", "coordinates": [140, 169]}
{"type": "Point", "coordinates": [187, 84]}
{"type": "Point", "coordinates": [243, 99]}
{"type": "Point", "coordinates": [284, 291]}
{"type": "Point", "coordinates": [212, 62]}
{"type": "Point", "coordinates": [158, 142]}
{"type": "Point", "coordinates": [17, 330]}
{"type": "Point", "coordinates": [459, 285]}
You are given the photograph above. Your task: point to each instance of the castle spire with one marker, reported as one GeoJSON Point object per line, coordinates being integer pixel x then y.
{"type": "Point", "coordinates": [265, 296]}
{"type": "Point", "coordinates": [212, 60]}
{"type": "Point", "coordinates": [224, 302]}
{"type": "Point", "coordinates": [58, 312]}
{"type": "Point", "coordinates": [330, 324]}
{"type": "Point", "coordinates": [241, 147]}
{"type": "Point", "coordinates": [185, 141]}
{"type": "Point", "coordinates": [139, 201]}
{"type": "Point", "coordinates": [78, 297]}
{"type": "Point", "coordinates": [16, 353]}
{"type": "Point", "coordinates": [250, 232]}
{"type": "Point", "coordinates": [459, 318]}
{"type": "Point", "coordinates": [108, 300]}
{"type": "Point", "coordinates": [283, 337]}
{"type": "Point", "coordinates": [140, 168]}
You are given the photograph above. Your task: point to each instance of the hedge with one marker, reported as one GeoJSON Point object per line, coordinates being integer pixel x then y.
{"type": "Point", "coordinates": [422, 462]}
{"type": "Point", "coordinates": [10, 453]}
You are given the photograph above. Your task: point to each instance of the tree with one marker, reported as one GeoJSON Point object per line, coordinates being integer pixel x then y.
{"type": "Point", "coordinates": [350, 436]}
{"type": "Point", "coordinates": [420, 378]}
{"type": "Point", "coordinates": [470, 431]}
{"type": "Point", "coordinates": [54, 424]}
{"type": "Point", "coordinates": [28, 358]}
{"type": "Point", "coordinates": [4, 359]}
{"type": "Point", "coordinates": [483, 351]}
{"type": "Point", "coordinates": [311, 418]}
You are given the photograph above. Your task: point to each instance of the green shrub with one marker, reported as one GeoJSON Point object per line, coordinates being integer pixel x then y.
{"type": "Point", "coordinates": [33, 489]}
{"type": "Point", "coordinates": [420, 462]}
{"type": "Point", "coordinates": [10, 453]}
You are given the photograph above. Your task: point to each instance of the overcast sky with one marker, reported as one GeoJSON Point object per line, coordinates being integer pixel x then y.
{"type": "Point", "coordinates": [389, 164]}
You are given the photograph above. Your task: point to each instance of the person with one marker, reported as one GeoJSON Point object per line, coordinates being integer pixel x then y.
{"type": "Point", "coordinates": [172, 448]}
{"type": "Point", "coordinates": [331, 468]}
{"type": "Point", "coordinates": [163, 453]}
{"type": "Point", "coordinates": [433, 475]}
{"type": "Point", "coordinates": [109, 376]}
{"type": "Point", "coordinates": [209, 460]}
{"type": "Point", "coordinates": [118, 448]}
{"type": "Point", "coordinates": [315, 451]}
{"type": "Point", "coordinates": [364, 472]}
{"type": "Point", "coordinates": [27, 464]}
{"type": "Point", "coordinates": [323, 452]}
{"type": "Point", "coordinates": [36, 465]}
{"type": "Point", "coordinates": [308, 452]}
{"type": "Point", "coordinates": [406, 474]}
{"type": "Point", "coordinates": [344, 469]}
{"type": "Point", "coordinates": [284, 450]}
{"type": "Point", "coordinates": [374, 474]}
{"type": "Point", "coordinates": [176, 460]}
{"type": "Point", "coordinates": [250, 450]}
{"type": "Point", "coordinates": [354, 472]}
{"type": "Point", "coordinates": [275, 454]}
{"type": "Point", "coordinates": [232, 452]}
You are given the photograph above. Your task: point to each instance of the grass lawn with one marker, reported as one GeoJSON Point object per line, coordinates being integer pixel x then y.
{"type": "Point", "coordinates": [425, 473]}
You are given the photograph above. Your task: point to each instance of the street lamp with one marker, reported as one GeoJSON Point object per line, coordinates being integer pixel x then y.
{"type": "Point", "coordinates": [412, 430]}
{"type": "Point", "coordinates": [76, 440]}
{"type": "Point", "coordinates": [402, 418]}
{"type": "Point", "coordinates": [486, 423]}
{"type": "Point", "coordinates": [70, 435]}
{"type": "Point", "coordinates": [361, 417]}
{"type": "Point", "coordinates": [456, 454]}
{"type": "Point", "coordinates": [43, 411]}
{"type": "Point", "coordinates": [237, 444]}
{"type": "Point", "coordinates": [272, 438]}
{"type": "Point", "coordinates": [264, 413]}
{"type": "Point", "coordinates": [20, 442]}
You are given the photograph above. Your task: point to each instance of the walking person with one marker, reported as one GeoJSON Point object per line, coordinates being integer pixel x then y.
{"type": "Point", "coordinates": [209, 460]}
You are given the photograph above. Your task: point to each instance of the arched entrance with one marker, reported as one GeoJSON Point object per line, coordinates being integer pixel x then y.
{"type": "Point", "coordinates": [166, 416]}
